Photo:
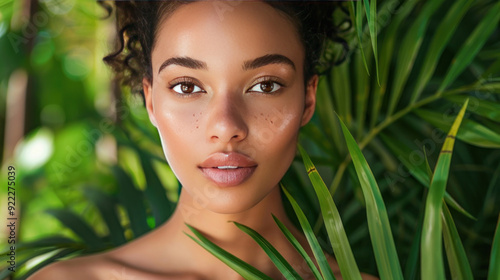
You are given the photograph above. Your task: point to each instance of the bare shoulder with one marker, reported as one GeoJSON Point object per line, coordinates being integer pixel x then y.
{"type": "Point", "coordinates": [111, 265]}
{"type": "Point", "coordinates": [88, 267]}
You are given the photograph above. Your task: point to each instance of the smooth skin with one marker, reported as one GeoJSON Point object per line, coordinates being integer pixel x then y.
{"type": "Point", "coordinates": [228, 81]}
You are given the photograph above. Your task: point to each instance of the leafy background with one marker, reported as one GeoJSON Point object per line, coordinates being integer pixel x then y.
{"type": "Point", "coordinates": [88, 152]}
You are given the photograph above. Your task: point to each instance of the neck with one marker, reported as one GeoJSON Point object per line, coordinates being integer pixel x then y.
{"type": "Point", "coordinates": [218, 228]}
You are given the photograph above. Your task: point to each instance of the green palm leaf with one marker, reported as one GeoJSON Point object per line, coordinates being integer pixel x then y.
{"type": "Point", "coordinates": [332, 221]}
{"type": "Point", "coordinates": [438, 43]}
{"type": "Point", "coordinates": [107, 207]}
{"type": "Point", "coordinates": [279, 261]}
{"type": "Point", "coordinates": [243, 268]}
{"type": "Point", "coordinates": [295, 243]}
{"type": "Point", "coordinates": [132, 199]}
{"type": "Point", "coordinates": [408, 52]}
{"type": "Point", "coordinates": [371, 16]}
{"type": "Point", "coordinates": [481, 107]}
{"type": "Point", "coordinates": [327, 114]}
{"type": "Point", "coordinates": [431, 251]}
{"type": "Point", "coordinates": [419, 170]}
{"type": "Point", "coordinates": [388, 44]}
{"type": "Point", "coordinates": [473, 45]}
{"type": "Point", "coordinates": [155, 192]}
{"type": "Point", "coordinates": [378, 221]}
{"type": "Point", "coordinates": [5, 272]}
{"type": "Point", "coordinates": [494, 270]}
{"type": "Point", "coordinates": [358, 19]}
{"type": "Point", "coordinates": [473, 133]}
{"type": "Point", "coordinates": [79, 227]}
{"type": "Point", "coordinates": [324, 266]}
{"type": "Point", "coordinates": [342, 91]}
{"type": "Point", "coordinates": [61, 254]}
{"type": "Point", "coordinates": [455, 252]}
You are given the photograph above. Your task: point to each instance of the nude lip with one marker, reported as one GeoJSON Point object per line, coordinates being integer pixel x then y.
{"type": "Point", "coordinates": [236, 168]}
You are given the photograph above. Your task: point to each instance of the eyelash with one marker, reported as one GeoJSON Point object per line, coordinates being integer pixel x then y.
{"type": "Point", "coordinates": [185, 81]}
{"type": "Point", "coordinates": [267, 79]}
{"type": "Point", "coordinates": [193, 82]}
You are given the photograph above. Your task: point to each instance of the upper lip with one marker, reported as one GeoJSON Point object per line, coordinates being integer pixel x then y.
{"type": "Point", "coordinates": [228, 159]}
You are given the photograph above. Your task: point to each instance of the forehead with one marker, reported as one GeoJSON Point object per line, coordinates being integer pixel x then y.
{"type": "Point", "coordinates": [214, 30]}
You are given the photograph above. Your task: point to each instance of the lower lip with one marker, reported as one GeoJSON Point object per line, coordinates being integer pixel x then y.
{"type": "Point", "coordinates": [228, 177]}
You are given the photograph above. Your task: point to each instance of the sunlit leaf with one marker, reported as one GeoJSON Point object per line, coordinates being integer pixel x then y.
{"type": "Point", "coordinates": [155, 192]}
{"type": "Point", "coordinates": [378, 222]}
{"type": "Point", "coordinates": [79, 227]}
{"type": "Point", "coordinates": [132, 199]}
{"type": "Point", "coordinates": [63, 253]}
{"type": "Point", "coordinates": [431, 245]}
{"type": "Point", "coordinates": [333, 222]}
{"type": "Point", "coordinates": [472, 132]}
{"type": "Point", "coordinates": [4, 273]}
{"type": "Point", "coordinates": [107, 208]}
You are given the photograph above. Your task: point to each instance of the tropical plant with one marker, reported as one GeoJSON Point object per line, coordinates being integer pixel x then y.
{"type": "Point", "coordinates": [411, 66]}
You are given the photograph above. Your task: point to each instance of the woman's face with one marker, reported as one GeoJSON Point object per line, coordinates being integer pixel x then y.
{"type": "Point", "coordinates": [228, 99]}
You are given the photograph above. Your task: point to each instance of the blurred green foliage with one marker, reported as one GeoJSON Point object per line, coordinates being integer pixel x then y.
{"type": "Point", "coordinates": [86, 145]}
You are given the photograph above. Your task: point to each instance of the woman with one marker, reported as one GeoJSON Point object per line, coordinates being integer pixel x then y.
{"type": "Point", "coordinates": [228, 86]}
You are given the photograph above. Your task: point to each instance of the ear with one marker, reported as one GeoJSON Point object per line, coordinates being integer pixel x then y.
{"type": "Point", "coordinates": [310, 101]}
{"type": "Point", "coordinates": [148, 98]}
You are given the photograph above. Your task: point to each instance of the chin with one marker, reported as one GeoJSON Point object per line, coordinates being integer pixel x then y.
{"type": "Point", "coordinates": [230, 200]}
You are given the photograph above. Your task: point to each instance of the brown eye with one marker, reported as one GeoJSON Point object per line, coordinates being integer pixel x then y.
{"type": "Point", "coordinates": [265, 87]}
{"type": "Point", "coordinates": [186, 88]}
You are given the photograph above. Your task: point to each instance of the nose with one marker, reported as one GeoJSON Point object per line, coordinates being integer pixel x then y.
{"type": "Point", "coordinates": [226, 122]}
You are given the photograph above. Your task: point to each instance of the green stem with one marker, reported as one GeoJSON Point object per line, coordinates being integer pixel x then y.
{"type": "Point", "coordinates": [385, 123]}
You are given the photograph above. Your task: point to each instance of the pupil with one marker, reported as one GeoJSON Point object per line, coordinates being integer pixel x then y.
{"type": "Point", "coordinates": [187, 88]}
{"type": "Point", "coordinates": [266, 86]}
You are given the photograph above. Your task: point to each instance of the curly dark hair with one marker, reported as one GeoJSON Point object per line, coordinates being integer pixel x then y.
{"type": "Point", "coordinates": [138, 21]}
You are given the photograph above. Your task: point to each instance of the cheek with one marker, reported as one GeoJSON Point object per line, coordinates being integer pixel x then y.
{"type": "Point", "coordinates": [179, 126]}
{"type": "Point", "coordinates": [274, 132]}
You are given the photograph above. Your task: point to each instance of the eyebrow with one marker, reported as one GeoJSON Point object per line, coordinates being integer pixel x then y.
{"type": "Point", "coordinates": [258, 62]}
{"type": "Point", "coordinates": [266, 60]}
{"type": "Point", "coordinates": [184, 62]}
